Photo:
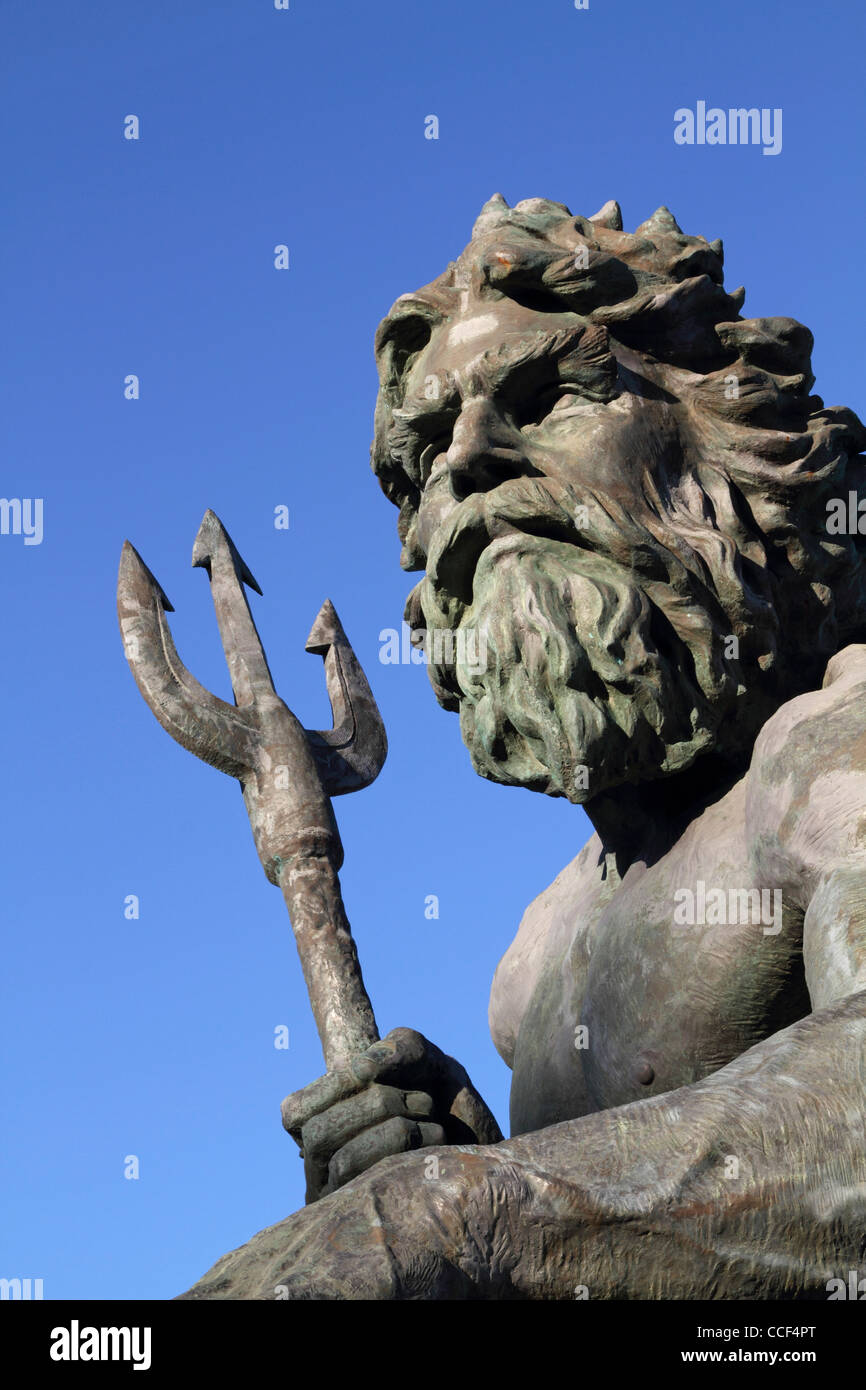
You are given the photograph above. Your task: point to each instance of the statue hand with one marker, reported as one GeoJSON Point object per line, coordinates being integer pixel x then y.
{"type": "Point", "coordinates": [402, 1093]}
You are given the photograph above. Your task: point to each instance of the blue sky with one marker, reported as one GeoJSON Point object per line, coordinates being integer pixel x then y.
{"type": "Point", "coordinates": [154, 1037]}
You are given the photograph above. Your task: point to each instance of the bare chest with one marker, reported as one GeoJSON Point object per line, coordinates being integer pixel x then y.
{"type": "Point", "coordinates": [688, 964]}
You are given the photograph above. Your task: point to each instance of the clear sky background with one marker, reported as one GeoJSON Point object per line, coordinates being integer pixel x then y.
{"type": "Point", "coordinates": [155, 1037]}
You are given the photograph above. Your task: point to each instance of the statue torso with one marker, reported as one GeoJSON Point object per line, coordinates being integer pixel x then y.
{"type": "Point", "coordinates": [605, 998]}
{"type": "Point", "coordinates": [637, 1003]}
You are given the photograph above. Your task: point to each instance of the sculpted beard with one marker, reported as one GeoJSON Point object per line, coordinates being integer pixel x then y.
{"type": "Point", "coordinates": [584, 684]}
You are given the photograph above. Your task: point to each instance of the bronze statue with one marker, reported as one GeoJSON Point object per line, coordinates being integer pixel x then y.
{"type": "Point", "coordinates": [625, 488]}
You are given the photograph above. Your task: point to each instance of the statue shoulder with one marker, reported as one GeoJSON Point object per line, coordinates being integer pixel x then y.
{"type": "Point", "coordinates": [825, 724]}
{"type": "Point", "coordinates": [806, 788]}
{"type": "Point", "coordinates": [547, 929]}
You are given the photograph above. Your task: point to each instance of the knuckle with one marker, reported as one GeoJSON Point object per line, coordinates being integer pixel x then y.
{"type": "Point", "coordinates": [364, 1067]}
{"type": "Point", "coordinates": [409, 1047]}
{"type": "Point", "coordinates": [299, 1108]}
{"type": "Point", "coordinates": [432, 1135]}
{"type": "Point", "coordinates": [418, 1103]}
{"type": "Point", "coordinates": [393, 1136]}
{"type": "Point", "coordinates": [341, 1124]}
{"type": "Point", "coordinates": [407, 1037]}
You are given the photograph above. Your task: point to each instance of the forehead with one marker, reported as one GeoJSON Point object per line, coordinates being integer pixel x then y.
{"type": "Point", "coordinates": [483, 327]}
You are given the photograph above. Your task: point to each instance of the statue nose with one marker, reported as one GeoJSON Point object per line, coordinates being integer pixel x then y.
{"type": "Point", "coordinates": [485, 450]}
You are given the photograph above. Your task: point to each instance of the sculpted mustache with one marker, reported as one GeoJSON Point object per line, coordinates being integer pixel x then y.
{"type": "Point", "coordinates": [671, 556]}
{"type": "Point", "coordinates": [531, 505]}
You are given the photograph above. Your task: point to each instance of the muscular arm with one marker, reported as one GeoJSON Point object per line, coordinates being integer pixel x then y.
{"type": "Point", "coordinates": [749, 1184]}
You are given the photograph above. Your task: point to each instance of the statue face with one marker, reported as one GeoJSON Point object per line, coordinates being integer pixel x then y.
{"type": "Point", "coordinates": [523, 421]}
{"type": "Point", "coordinates": [617, 532]}
{"type": "Point", "coordinates": [505, 392]}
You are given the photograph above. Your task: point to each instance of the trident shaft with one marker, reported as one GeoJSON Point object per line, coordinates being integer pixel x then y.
{"type": "Point", "coordinates": [288, 774]}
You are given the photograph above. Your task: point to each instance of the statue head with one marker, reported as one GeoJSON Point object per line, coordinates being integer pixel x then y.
{"type": "Point", "coordinates": [618, 488]}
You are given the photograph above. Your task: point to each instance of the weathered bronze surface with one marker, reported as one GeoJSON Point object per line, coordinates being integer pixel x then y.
{"type": "Point", "coordinates": [625, 488]}
{"type": "Point", "coordinates": [288, 774]}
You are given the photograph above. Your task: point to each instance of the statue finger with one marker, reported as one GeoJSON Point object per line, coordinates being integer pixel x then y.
{"type": "Point", "coordinates": [406, 1057]}
{"type": "Point", "coordinates": [470, 1120]}
{"type": "Point", "coordinates": [330, 1130]}
{"type": "Point", "coordinates": [326, 1091]}
{"type": "Point", "coordinates": [396, 1135]}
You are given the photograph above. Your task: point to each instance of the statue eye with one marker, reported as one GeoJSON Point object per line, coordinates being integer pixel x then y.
{"type": "Point", "coordinates": [566, 396]}
{"type": "Point", "coordinates": [429, 454]}
{"type": "Point", "coordinates": [560, 396]}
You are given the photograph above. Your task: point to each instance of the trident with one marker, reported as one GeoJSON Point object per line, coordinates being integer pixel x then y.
{"type": "Point", "coordinates": [288, 774]}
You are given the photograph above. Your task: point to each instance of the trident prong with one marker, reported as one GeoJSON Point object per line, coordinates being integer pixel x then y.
{"type": "Point", "coordinates": [288, 774]}
{"type": "Point", "coordinates": [215, 551]}
{"type": "Point", "coordinates": [350, 755]}
{"type": "Point", "coordinates": [215, 731]}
